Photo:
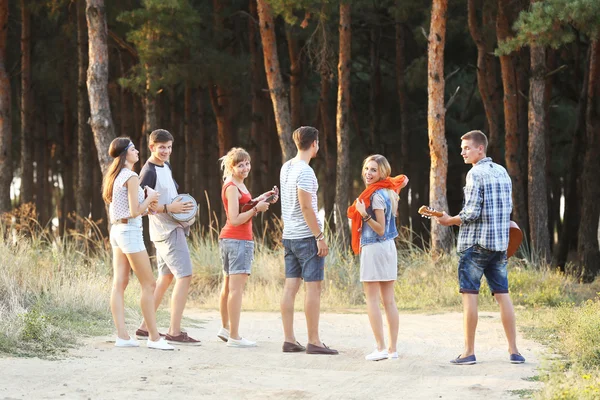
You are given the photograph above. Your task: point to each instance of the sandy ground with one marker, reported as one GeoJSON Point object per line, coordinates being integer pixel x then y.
{"type": "Point", "coordinates": [98, 370]}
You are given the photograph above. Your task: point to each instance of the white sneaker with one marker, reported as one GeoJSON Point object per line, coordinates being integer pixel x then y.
{"type": "Point", "coordinates": [223, 334]}
{"type": "Point", "coordinates": [231, 342]}
{"type": "Point", "coordinates": [393, 356]}
{"type": "Point", "coordinates": [160, 344]}
{"type": "Point", "coordinates": [131, 342]}
{"type": "Point", "coordinates": [377, 355]}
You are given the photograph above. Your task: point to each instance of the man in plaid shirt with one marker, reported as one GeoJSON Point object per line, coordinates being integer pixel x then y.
{"type": "Point", "coordinates": [482, 242]}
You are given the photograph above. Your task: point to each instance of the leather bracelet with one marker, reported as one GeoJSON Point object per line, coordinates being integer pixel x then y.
{"type": "Point", "coordinates": [367, 218]}
{"type": "Point", "coordinates": [165, 209]}
{"type": "Point", "coordinates": [255, 211]}
{"type": "Point", "coordinates": [321, 238]}
{"type": "Point", "coordinates": [319, 235]}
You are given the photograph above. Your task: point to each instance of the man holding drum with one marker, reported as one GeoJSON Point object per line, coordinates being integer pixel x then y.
{"type": "Point", "coordinates": [168, 235]}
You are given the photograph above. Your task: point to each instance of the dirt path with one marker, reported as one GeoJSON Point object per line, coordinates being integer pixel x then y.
{"type": "Point", "coordinates": [98, 370]}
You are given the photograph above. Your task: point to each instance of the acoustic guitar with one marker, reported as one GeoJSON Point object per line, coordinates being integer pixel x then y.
{"type": "Point", "coordinates": [515, 236]}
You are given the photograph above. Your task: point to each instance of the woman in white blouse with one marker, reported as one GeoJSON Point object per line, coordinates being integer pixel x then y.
{"type": "Point", "coordinates": [121, 190]}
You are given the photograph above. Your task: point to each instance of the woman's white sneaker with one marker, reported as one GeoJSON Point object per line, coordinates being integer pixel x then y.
{"type": "Point", "coordinates": [377, 355]}
{"type": "Point", "coordinates": [393, 356]}
{"type": "Point", "coordinates": [231, 342]}
{"type": "Point", "coordinates": [131, 342]}
{"type": "Point", "coordinates": [223, 334]}
{"type": "Point", "coordinates": [160, 344]}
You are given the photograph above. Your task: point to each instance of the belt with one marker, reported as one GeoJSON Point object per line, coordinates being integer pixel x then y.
{"type": "Point", "coordinates": [121, 221]}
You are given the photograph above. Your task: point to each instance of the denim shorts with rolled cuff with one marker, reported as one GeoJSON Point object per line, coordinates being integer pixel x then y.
{"type": "Point", "coordinates": [475, 262]}
{"type": "Point", "coordinates": [127, 237]}
{"type": "Point", "coordinates": [302, 261]}
{"type": "Point", "coordinates": [236, 256]}
{"type": "Point", "coordinates": [173, 255]}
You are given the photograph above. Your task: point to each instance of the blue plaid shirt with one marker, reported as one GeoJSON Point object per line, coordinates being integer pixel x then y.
{"type": "Point", "coordinates": [487, 204]}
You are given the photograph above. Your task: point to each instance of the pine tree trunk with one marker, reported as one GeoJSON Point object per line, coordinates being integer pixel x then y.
{"type": "Point", "coordinates": [329, 147]}
{"type": "Point", "coordinates": [67, 155]}
{"type": "Point", "coordinates": [589, 253]}
{"type": "Point", "coordinates": [438, 148]}
{"type": "Point", "coordinates": [205, 171]}
{"type": "Point", "coordinates": [26, 104]}
{"type": "Point", "coordinates": [403, 102]}
{"type": "Point", "coordinates": [6, 172]}
{"type": "Point", "coordinates": [295, 78]}
{"type": "Point", "coordinates": [486, 77]}
{"type": "Point", "coordinates": [522, 64]}
{"type": "Point", "coordinates": [188, 151]}
{"type": "Point", "coordinates": [538, 206]}
{"type": "Point", "coordinates": [97, 81]}
{"type": "Point", "coordinates": [84, 136]}
{"type": "Point", "coordinates": [511, 119]}
{"type": "Point", "coordinates": [342, 183]}
{"type": "Point", "coordinates": [375, 100]}
{"type": "Point", "coordinates": [277, 89]}
{"type": "Point", "coordinates": [219, 99]}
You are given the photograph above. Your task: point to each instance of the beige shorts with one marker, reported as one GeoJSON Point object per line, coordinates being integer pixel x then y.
{"type": "Point", "coordinates": [173, 255]}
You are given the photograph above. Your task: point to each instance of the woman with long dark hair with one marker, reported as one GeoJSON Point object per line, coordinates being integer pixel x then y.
{"type": "Point", "coordinates": [121, 190]}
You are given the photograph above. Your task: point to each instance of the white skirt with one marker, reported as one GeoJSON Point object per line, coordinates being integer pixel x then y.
{"type": "Point", "coordinates": [379, 262]}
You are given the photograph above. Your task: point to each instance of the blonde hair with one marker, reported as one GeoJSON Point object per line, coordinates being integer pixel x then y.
{"type": "Point", "coordinates": [233, 156]}
{"type": "Point", "coordinates": [385, 171]}
{"type": "Point", "coordinates": [476, 137]}
{"type": "Point", "coordinates": [116, 150]}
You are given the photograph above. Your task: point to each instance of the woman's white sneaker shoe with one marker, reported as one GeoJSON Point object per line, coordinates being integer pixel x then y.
{"type": "Point", "coordinates": [223, 334]}
{"type": "Point", "coordinates": [160, 344]}
{"type": "Point", "coordinates": [377, 355]}
{"type": "Point", "coordinates": [393, 356]}
{"type": "Point", "coordinates": [240, 343]}
{"type": "Point", "coordinates": [131, 342]}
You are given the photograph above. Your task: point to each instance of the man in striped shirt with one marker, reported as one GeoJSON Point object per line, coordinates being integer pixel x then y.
{"type": "Point", "coordinates": [304, 242]}
{"type": "Point", "coordinates": [482, 241]}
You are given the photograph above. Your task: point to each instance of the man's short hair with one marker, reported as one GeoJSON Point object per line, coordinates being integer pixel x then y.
{"type": "Point", "coordinates": [305, 136]}
{"type": "Point", "coordinates": [476, 137]}
{"type": "Point", "coordinates": [160, 136]}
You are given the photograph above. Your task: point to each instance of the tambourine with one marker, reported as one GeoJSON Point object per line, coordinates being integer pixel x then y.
{"type": "Point", "coordinates": [185, 216]}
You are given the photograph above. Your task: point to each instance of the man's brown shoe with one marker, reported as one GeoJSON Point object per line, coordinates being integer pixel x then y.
{"type": "Point", "coordinates": [142, 334]}
{"type": "Point", "coordinates": [182, 339]}
{"type": "Point", "coordinates": [312, 349]}
{"type": "Point", "coordinates": [293, 347]}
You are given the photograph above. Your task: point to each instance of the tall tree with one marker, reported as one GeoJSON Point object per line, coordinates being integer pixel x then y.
{"type": "Point", "coordinates": [294, 52]}
{"type": "Point", "coordinates": [342, 182]}
{"type": "Point", "coordinates": [97, 81]}
{"type": "Point", "coordinates": [26, 105]}
{"type": "Point", "coordinates": [589, 253]}
{"type": "Point", "coordinates": [403, 103]}
{"type": "Point", "coordinates": [277, 89]}
{"type": "Point", "coordinates": [486, 72]}
{"type": "Point", "coordinates": [83, 198]}
{"type": "Point", "coordinates": [511, 118]}
{"type": "Point", "coordinates": [436, 121]}
{"type": "Point", "coordinates": [5, 125]}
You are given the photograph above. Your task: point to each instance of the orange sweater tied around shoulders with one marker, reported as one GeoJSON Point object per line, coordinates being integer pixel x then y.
{"type": "Point", "coordinates": [394, 183]}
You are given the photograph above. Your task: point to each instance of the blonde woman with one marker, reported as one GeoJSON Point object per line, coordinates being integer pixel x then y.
{"type": "Point", "coordinates": [236, 242]}
{"type": "Point", "coordinates": [374, 213]}
{"type": "Point", "coordinates": [121, 190]}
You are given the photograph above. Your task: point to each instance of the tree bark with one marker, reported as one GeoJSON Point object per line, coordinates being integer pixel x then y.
{"type": "Point", "coordinates": [97, 81]}
{"type": "Point", "coordinates": [295, 77]}
{"type": "Point", "coordinates": [26, 104]}
{"type": "Point", "coordinates": [486, 77]}
{"type": "Point", "coordinates": [436, 117]}
{"type": "Point", "coordinates": [342, 183]}
{"type": "Point", "coordinates": [278, 92]}
{"type": "Point", "coordinates": [5, 116]}
{"type": "Point", "coordinates": [83, 197]}
{"type": "Point", "coordinates": [188, 152]}
{"type": "Point", "coordinates": [328, 142]}
{"type": "Point", "coordinates": [589, 253]}
{"type": "Point", "coordinates": [67, 155]}
{"type": "Point", "coordinates": [403, 103]}
{"type": "Point", "coordinates": [375, 97]}
{"type": "Point", "coordinates": [511, 119]}
{"type": "Point", "coordinates": [538, 206]}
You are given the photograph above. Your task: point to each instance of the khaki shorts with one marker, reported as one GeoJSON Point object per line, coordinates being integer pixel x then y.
{"type": "Point", "coordinates": [173, 255]}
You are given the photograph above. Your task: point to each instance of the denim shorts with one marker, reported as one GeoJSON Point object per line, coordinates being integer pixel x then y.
{"type": "Point", "coordinates": [127, 237]}
{"type": "Point", "coordinates": [302, 261]}
{"type": "Point", "coordinates": [236, 256]}
{"type": "Point", "coordinates": [476, 262]}
{"type": "Point", "coordinates": [173, 255]}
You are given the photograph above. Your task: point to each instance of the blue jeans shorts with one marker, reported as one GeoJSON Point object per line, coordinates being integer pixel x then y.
{"type": "Point", "coordinates": [127, 237]}
{"type": "Point", "coordinates": [236, 256]}
{"type": "Point", "coordinates": [476, 262]}
{"type": "Point", "coordinates": [302, 261]}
